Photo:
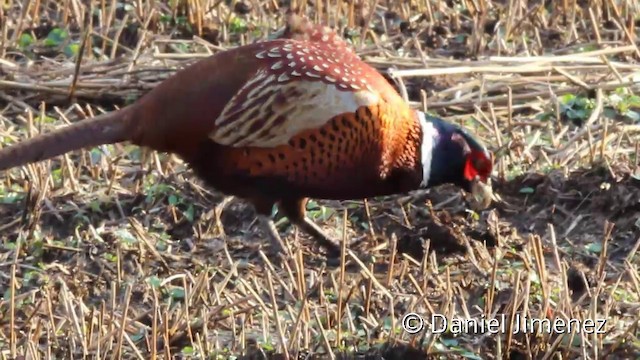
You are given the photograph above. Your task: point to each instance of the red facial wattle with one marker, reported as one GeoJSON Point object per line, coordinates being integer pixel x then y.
{"type": "Point", "coordinates": [470, 172]}
{"type": "Point", "coordinates": [477, 165]}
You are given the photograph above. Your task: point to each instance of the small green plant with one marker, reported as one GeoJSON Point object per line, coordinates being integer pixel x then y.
{"type": "Point", "coordinates": [56, 37]}
{"type": "Point", "coordinates": [238, 26]}
{"type": "Point", "coordinates": [573, 107]}
{"type": "Point", "coordinates": [11, 195]}
{"type": "Point", "coordinates": [72, 49]}
{"type": "Point", "coordinates": [576, 108]}
{"type": "Point", "coordinates": [623, 103]}
{"type": "Point", "coordinates": [25, 41]}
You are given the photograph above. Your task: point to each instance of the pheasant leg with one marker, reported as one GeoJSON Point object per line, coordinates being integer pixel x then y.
{"type": "Point", "coordinates": [272, 230]}
{"type": "Point", "coordinates": [295, 211]}
{"type": "Point", "coordinates": [263, 208]}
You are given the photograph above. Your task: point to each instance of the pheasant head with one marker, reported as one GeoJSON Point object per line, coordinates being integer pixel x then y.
{"type": "Point", "coordinates": [449, 154]}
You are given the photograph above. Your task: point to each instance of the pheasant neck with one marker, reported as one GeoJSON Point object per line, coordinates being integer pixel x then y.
{"type": "Point", "coordinates": [427, 145]}
{"type": "Point", "coordinates": [443, 158]}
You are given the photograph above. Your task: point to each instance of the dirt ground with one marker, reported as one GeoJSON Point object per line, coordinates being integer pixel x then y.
{"type": "Point", "coordinates": [577, 205]}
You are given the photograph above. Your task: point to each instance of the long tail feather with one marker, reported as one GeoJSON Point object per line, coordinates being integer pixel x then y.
{"type": "Point", "coordinates": [104, 129]}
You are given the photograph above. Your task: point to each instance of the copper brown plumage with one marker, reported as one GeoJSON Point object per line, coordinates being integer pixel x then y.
{"type": "Point", "coordinates": [280, 121]}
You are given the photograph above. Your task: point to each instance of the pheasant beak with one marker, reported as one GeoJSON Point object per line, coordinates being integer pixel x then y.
{"type": "Point", "coordinates": [481, 194]}
{"type": "Point", "coordinates": [476, 171]}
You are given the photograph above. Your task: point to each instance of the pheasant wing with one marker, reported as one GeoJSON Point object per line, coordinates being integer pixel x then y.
{"type": "Point", "coordinates": [301, 86]}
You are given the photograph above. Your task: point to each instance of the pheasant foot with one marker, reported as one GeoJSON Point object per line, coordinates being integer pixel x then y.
{"type": "Point", "coordinates": [295, 211]}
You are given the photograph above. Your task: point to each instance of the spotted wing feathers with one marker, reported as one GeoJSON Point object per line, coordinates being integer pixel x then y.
{"type": "Point", "coordinates": [300, 86]}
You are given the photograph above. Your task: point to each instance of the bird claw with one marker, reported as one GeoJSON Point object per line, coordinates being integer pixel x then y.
{"type": "Point", "coordinates": [332, 246]}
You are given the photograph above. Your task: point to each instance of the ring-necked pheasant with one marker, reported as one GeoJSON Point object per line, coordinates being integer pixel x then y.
{"type": "Point", "coordinates": [281, 121]}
